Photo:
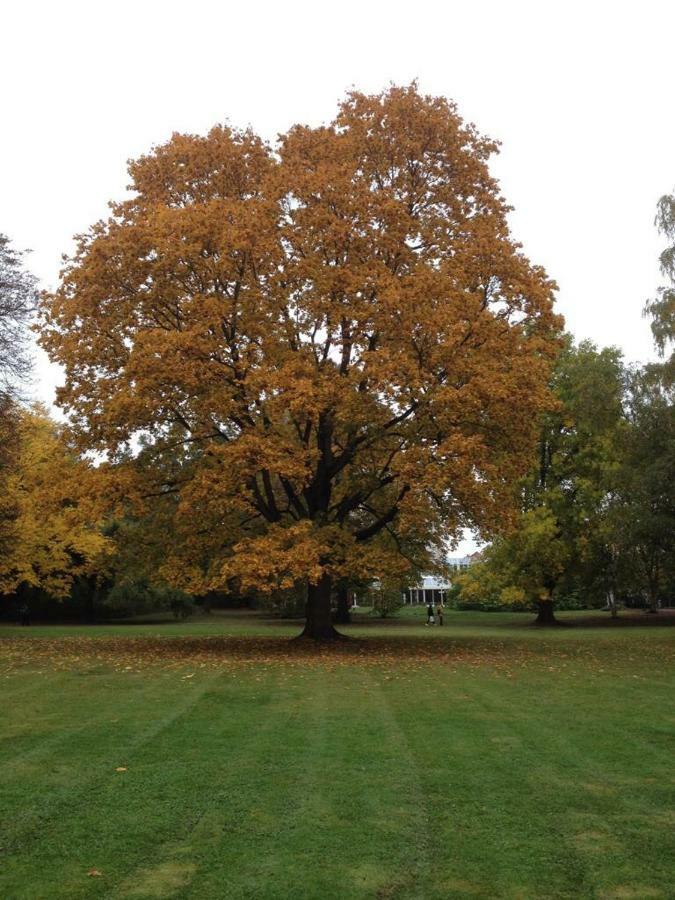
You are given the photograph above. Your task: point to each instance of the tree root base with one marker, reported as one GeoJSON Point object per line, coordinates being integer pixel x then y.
{"type": "Point", "coordinates": [326, 638]}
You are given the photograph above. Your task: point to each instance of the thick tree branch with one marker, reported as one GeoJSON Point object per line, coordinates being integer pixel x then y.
{"type": "Point", "coordinates": [364, 534]}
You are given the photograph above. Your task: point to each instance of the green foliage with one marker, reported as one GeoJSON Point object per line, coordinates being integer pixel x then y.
{"type": "Point", "coordinates": [661, 309]}
{"type": "Point", "coordinates": [385, 599]}
{"type": "Point", "coordinates": [598, 518]}
{"type": "Point", "coordinates": [563, 602]}
{"type": "Point", "coordinates": [132, 597]}
{"type": "Point", "coordinates": [287, 603]}
{"type": "Point", "coordinates": [643, 508]}
{"type": "Point", "coordinates": [181, 605]}
{"type": "Point", "coordinates": [560, 547]}
{"type": "Point", "coordinates": [453, 595]}
{"type": "Point", "coordinates": [578, 460]}
{"type": "Point", "coordinates": [518, 571]}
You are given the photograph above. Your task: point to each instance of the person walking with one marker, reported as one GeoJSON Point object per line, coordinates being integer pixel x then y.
{"type": "Point", "coordinates": [430, 614]}
{"type": "Point", "coordinates": [439, 613]}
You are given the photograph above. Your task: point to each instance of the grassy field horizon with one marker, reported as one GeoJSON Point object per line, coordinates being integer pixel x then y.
{"type": "Point", "coordinates": [216, 758]}
{"type": "Point", "coordinates": [260, 621]}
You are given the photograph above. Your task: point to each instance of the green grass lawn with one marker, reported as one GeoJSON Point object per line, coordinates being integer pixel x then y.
{"type": "Point", "coordinates": [483, 759]}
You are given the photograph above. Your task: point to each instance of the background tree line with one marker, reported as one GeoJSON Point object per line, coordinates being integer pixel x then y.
{"type": "Point", "coordinates": [597, 520]}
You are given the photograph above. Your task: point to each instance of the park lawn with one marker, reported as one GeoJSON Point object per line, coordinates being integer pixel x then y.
{"type": "Point", "coordinates": [408, 621]}
{"type": "Point", "coordinates": [485, 759]}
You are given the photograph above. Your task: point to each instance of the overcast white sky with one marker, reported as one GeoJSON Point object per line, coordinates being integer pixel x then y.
{"type": "Point", "coordinates": [579, 93]}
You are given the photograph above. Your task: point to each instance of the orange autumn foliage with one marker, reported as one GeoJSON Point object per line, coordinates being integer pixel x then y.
{"type": "Point", "coordinates": [340, 337]}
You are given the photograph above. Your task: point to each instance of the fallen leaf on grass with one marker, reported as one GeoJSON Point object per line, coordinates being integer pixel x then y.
{"type": "Point", "coordinates": [121, 769]}
{"type": "Point", "coordinates": [94, 873]}
{"type": "Point", "coordinates": [403, 656]}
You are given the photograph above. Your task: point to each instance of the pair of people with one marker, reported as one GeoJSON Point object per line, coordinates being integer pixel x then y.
{"type": "Point", "coordinates": [431, 619]}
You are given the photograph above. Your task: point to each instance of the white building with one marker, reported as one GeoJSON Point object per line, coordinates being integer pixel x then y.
{"type": "Point", "coordinates": [432, 588]}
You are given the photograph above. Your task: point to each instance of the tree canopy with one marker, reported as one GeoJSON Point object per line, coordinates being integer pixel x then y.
{"type": "Point", "coordinates": [339, 333]}
{"type": "Point", "coordinates": [661, 309]}
{"type": "Point", "coordinates": [643, 511]}
{"type": "Point", "coordinates": [17, 305]}
{"type": "Point", "coordinates": [18, 298]}
{"type": "Point", "coordinates": [562, 541]}
{"type": "Point", "coordinates": [53, 535]}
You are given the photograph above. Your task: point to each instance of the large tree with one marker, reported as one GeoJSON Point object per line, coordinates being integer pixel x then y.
{"type": "Point", "coordinates": [661, 309]}
{"type": "Point", "coordinates": [9, 444]}
{"type": "Point", "coordinates": [341, 330]}
{"type": "Point", "coordinates": [564, 540]}
{"type": "Point", "coordinates": [17, 305]}
{"type": "Point", "coordinates": [575, 476]}
{"type": "Point", "coordinates": [643, 508]}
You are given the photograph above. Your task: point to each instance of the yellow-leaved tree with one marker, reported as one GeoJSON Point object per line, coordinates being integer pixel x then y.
{"type": "Point", "coordinates": [9, 444]}
{"type": "Point", "coordinates": [51, 534]}
{"type": "Point", "coordinates": [333, 340]}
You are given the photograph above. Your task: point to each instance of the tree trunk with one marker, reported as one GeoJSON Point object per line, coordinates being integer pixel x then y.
{"type": "Point", "coordinates": [342, 615]}
{"type": "Point", "coordinates": [89, 606]}
{"type": "Point", "coordinates": [545, 613]}
{"type": "Point", "coordinates": [653, 598]}
{"type": "Point", "coordinates": [611, 603]}
{"type": "Point", "coordinates": [318, 624]}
